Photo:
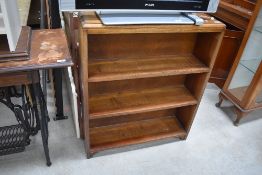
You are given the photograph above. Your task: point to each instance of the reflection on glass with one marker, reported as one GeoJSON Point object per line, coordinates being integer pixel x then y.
{"type": "Point", "coordinates": [250, 60]}
{"type": "Point", "coordinates": [259, 98]}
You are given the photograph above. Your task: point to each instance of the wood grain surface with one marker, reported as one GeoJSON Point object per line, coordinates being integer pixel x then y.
{"type": "Point", "coordinates": [48, 50]}
{"type": "Point", "coordinates": [117, 69]}
{"type": "Point", "coordinates": [22, 51]}
{"type": "Point", "coordinates": [135, 132]}
{"type": "Point", "coordinates": [139, 101]}
{"type": "Point", "coordinates": [91, 22]}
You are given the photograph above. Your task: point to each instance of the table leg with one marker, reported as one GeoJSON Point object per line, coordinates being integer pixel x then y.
{"type": "Point", "coordinates": [57, 73]}
{"type": "Point", "coordinates": [41, 106]}
{"type": "Point", "coordinates": [44, 83]}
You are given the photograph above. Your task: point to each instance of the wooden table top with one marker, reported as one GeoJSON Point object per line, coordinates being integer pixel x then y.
{"type": "Point", "coordinates": [49, 49]}
{"type": "Point", "coordinates": [91, 22]}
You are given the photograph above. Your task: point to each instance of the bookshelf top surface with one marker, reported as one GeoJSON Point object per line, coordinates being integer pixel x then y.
{"type": "Point", "coordinates": [91, 22]}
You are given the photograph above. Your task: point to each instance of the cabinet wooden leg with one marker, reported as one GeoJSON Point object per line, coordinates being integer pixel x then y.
{"type": "Point", "coordinates": [239, 114]}
{"type": "Point", "coordinates": [221, 99]}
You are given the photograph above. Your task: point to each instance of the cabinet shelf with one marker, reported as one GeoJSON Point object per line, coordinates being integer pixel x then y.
{"type": "Point", "coordinates": [131, 68]}
{"type": "Point", "coordinates": [124, 134]}
{"type": "Point", "coordinates": [132, 102]}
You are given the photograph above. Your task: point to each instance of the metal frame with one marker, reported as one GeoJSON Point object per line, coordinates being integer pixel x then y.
{"type": "Point", "coordinates": [32, 115]}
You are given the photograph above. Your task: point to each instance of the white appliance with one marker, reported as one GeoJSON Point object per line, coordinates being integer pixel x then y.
{"type": "Point", "coordinates": [10, 22]}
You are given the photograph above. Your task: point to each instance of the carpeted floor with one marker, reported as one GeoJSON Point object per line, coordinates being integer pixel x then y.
{"type": "Point", "coordinates": [214, 147]}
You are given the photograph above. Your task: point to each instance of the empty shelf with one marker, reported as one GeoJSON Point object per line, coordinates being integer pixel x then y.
{"type": "Point", "coordinates": [131, 68]}
{"type": "Point", "coordinates": [136, 132]}
{"type": "Point", "coordinates": [123, 103]}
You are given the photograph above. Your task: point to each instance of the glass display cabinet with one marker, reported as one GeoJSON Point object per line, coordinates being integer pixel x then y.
{"type": "Point", "coordinates": [244, 85]}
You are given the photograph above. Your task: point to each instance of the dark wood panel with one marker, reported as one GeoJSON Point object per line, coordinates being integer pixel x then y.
{"type": "Point", "coordinates": [17, 78]}
{"type": "Point", "coordinates": [232, 17]}
{"type": "Point", "coordinates": [236, 7]}
{"type": "Point", "coordinates": [139, 45]}
{"type": "Point", "coordinates": [226, 56]}
{"type": "Point", "coordinates": [207, 46]}
{"type": "Point", "coordinates": [130, 118]}
{"type": "Point", "coordinates": [134, 132]}
{"type": "Point", "coordinates": [22, 51]}
{"type": "Point", "coordinates": [134, 85]}
{"type": "Point", "coordinates": [186, 116]}
{"type": "Point", "coordinates": [247, 4]}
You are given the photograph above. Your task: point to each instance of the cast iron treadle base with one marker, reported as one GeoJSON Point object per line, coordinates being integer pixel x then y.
{"type": "Point", "coordinates": [13, 139]}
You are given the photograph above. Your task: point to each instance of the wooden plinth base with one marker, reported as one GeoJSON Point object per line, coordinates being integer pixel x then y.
{"type": "Point", "coordinates": [240, 113]}
{"type": "Point", "coordinates": [22, 51]}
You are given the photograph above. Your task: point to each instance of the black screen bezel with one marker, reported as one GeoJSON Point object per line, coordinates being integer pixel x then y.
{"type": "Point", "coordinates": [141, 4]}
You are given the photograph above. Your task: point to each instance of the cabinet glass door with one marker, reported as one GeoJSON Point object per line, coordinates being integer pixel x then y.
{"type": "Point", "coordinates": [249, 63]}
{"type": "Point", "coordinates": [259, 98]}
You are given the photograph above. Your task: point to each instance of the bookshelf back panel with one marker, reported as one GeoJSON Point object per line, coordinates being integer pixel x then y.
{"type": "Point", "coordinates": [106, 87]}
{"type": "Point", "coordinates": [120, 46]}
{"type": "Point", "coordinates": [186, 116]}
{"type": "Point", "coordinates": [206, 47]}
{"type": "Point", "coordinates": [131, 117]}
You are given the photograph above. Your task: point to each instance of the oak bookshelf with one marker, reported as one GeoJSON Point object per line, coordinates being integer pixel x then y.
{"type": "Point", "coordinates": [142, 83]}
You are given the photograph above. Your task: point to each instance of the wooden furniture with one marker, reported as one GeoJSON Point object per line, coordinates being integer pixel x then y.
{"type": "Point", "coordinates": [14, 39]}
{"type": "Point", "coordinates": [244, 84]}
{"type": "Point", "coordinates": [48, 50]}
{"type": "Point", "coordinates": [22, 50]}
{"type": "Point", "coordinates": [236, 15]}
{"type": "Point", "coordinates": [236, 12]}
{"type": "Point", "coordinates": [141, 83]}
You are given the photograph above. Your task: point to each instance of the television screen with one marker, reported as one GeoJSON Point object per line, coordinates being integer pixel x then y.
{"type": "Point", "coordinates": [173, 5]}
{"type": "Point", "coordinates": [188, 5]}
